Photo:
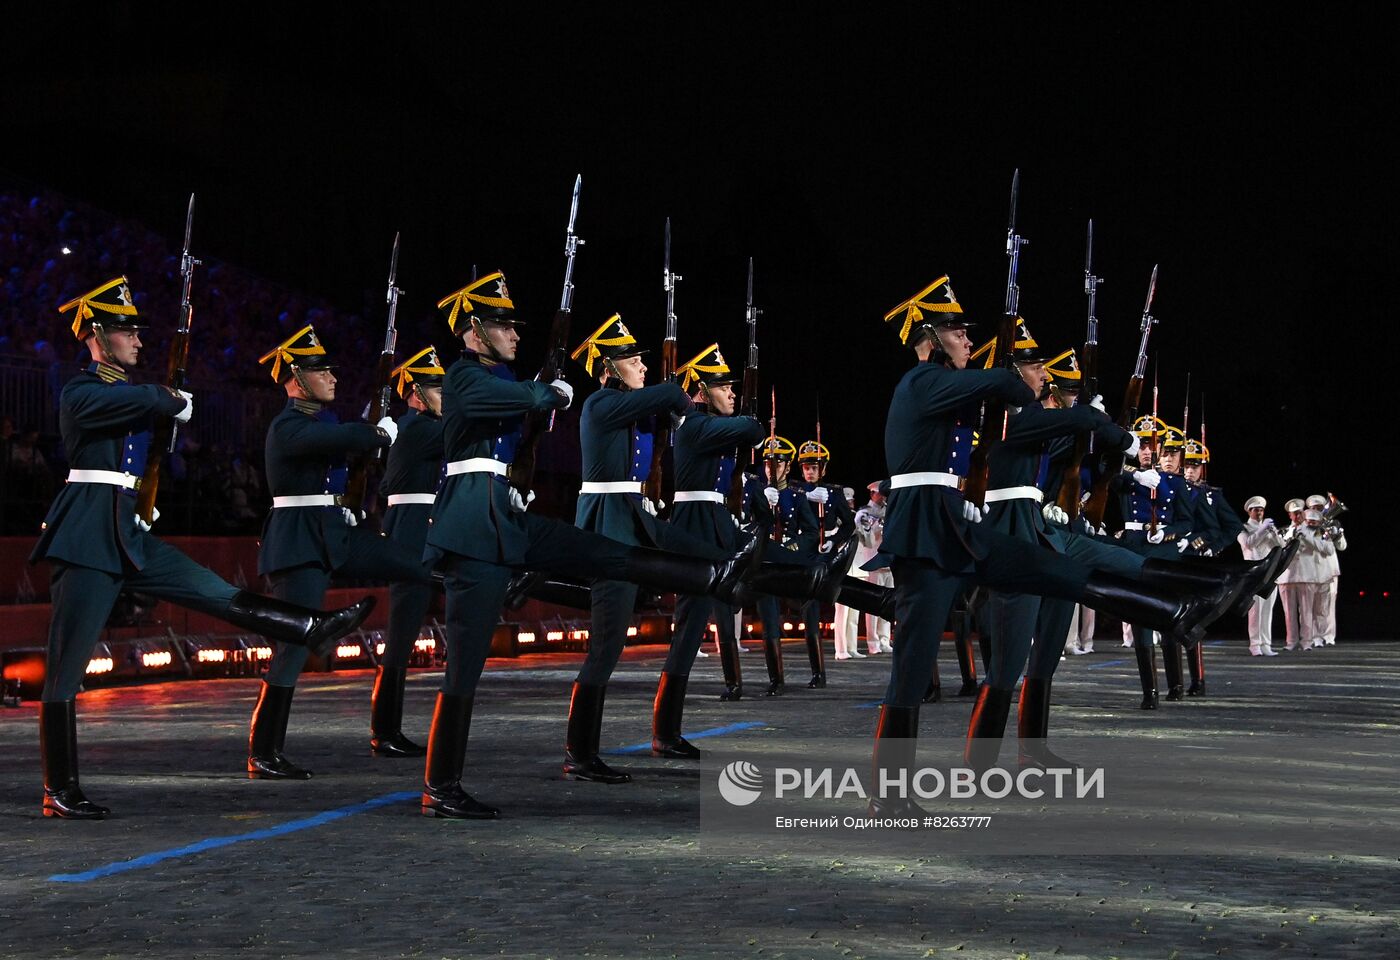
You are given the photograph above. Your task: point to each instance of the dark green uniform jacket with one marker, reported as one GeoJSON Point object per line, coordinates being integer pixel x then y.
{"type": "Point", "coordinates": [482, 407]}
{"type": "Point", "coordinates": [305, 454]}
{"type": "Point", "coordinates": [926, 522]}
{"type": "Point", "coordinates": [617, 447]}
{"type": "Point", "coordinates": [105, 423]}
{"type": "Point", "coordinates": [704, 460]}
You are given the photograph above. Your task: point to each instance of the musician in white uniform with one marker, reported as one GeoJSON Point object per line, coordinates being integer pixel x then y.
{"type": "Point", "coordinates": [1327, 597]}
{"type": "Point", "coordinates": [1258, 537]}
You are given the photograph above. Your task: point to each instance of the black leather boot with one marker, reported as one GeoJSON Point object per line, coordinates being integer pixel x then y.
{"type": "Point", "coordinates": [1228, 584]}
{"type": "Point", "coordinates": [773, 659]}
{"type": "Point", "coordinates": [58, 745]}
{"type": "Point", "coordinates": [1146, 655]}
{"type": "Point", "coordinates": [825, 582]}
{"type": "Point", "coordinates": [986, 727]}
{"type": "Point", "coordinates": [729, 663]}
{"type": "Point", "coordinates": [680, 573]}
{"type": "Point", "coordinates": [268, 734]}
{"type": "Point", "coordinates": [866, 597]}
{"type": "Point", "coordinates": [581, 760]}
{"type": "Point", "coordinates": [1282, 557]}
{"type": "Point", "coordinates": [1171, 666]}
{"type": "Point", "coordinates": [666, 713]}
{"type": "Point", "coordinates": [896, 737]}
{"type": "Point", "coordinates": [934, 691]}
{"type": "Point", "coordinates": [386, 716]}
{"type": "Point", "coordinates": [1033, 727]}
{"type": "Point", "coordinates": [1196, 664]}
{"type": "Point", "coordinates": [294, 624]}
{"type": "Point", "coordinates": [962, 643]}
{"type": "Point", "coordinates": [816, 656]}
{"type": "Point", "coordinates": [443, 795]}
{"type": "Point", "coordinates": [534, 585]}
{"type": "Point", "coordinates": [1150, 605]}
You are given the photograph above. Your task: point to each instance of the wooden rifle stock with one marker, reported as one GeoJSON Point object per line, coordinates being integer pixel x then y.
{"type": "Point", "coordinates": [164, 431]}
{"type": "Point", "coordinates": [1098, 496]}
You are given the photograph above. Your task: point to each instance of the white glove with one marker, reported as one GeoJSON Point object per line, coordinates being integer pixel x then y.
{"type": "Point", "coordinates": [350, 519]}
{"type": "Point", "coordinates": [389, 427]}
{"type": "Point", "coordinates": [971, 512]}
{"type": "Point", "coordinates": [1134, 446]}
{"type": "Point", "coordinates": [184, 415]}
{"type": "Point", "coordinates": [1103, 531]}
{"type": "Point", "coordinates": [1268, 521]}
{"type": "Point", "coordinates": [155, 515]}
{"type": "Point", "coordinates": [1157, 536]}
{"type": "Point", "coordinates": [1207, 552]}
{"type": "Point", "coordinates": [653, 507]}
{"type": "Point", "coordinates": [1182, 544]}
{"type": "Point", "coordinates": [818, 495]}
{"type": "Point", "coordinates": [771, 494]}
{"type": "Point", "coordinates": [1053, 513]}
{"type": "Point", "coordinates": [518, 503]}
{"type": "Point", "coordinates": [825, 546]}
{"type": "Point", "coordinates": [1097, 404]}
{"type": "Point", "coordinates": [564, 390]}
{"type": "Point", "coordinates": [1148, 478]}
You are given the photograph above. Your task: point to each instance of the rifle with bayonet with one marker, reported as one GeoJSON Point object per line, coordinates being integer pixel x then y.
{"type": "Point", "coordinates": [522, 470]}
{"type": "Point", "coordinates": [1098, 498]}
{"type": "Point", "coordinates": [994, 411]}
{"type": "Point", "coordinates": [1070, 483]}
{"type": "Point", "coordinates": [378, 409]}
{"type": "Point", "coordinates": [165, 430]}
{"type": "Point", "coordinates": [661, 437]}
{"type": "Point", "coordinates": [777, 532]}
{"type": "Point", "coordinates": [821, 507]}
{"type": "Point", "coordinates": [748, 400]}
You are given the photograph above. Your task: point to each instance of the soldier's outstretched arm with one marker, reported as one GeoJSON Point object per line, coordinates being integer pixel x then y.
{"type": "Point", "coordinates": [482, 394]}
{"type": "Point", "coordinates": [98, 406]}
{"type": "Point", "coordinates": [309, 436]}
{"type": "Point", "coordinates": [1050, 424]}
{"type": "Point", "coordinates": [711, 434]}
{"type": "Point", "coordinates": [617, 408]}
{"type": "Point", "coordinates": [942, 390]}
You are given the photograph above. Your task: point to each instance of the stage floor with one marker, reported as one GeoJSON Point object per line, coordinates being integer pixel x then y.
{"type": "Point", "coordinates": [348, 867]}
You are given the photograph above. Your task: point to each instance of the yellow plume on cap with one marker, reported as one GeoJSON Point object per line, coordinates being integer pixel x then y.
{"type": "Point", "coordinates": [914, 308]}
{"type": "Point", "coordinates": [690, 371]}
{"type": "Point", "coordinates": [93, 299]}
{"type": "Point", "coordinates": [596, 341]}
{"type": "Point", "coordinates": [459, 303]}
{"type": "Point", "coordinates": [407, 370]}
{"type": "Point", "coordinates": [288, 350]}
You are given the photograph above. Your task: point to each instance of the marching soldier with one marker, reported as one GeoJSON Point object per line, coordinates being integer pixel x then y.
{"type": "Point", "coordinates": [837, 524]}
{"type": "Point", "coordinates": [1258, 538]}
{"type": "Point", "coordinates": [936, 539]}
{"type": "Point", "coordinates": [412, 475]}
{"type": "Point", "coordinates": [616, 434]}
{"type": "Point", "coordinates": [309, 535]}
{"type": "Point", "coordinates": [794, 529]}
{"type": "Point", "coordinates": [704, 459]}
{"type": "Point", "coordinates": [1217, 535]}
{"type": "Point", "coordinates": [96, 546]}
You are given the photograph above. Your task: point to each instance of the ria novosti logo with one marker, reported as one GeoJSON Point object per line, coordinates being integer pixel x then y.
{"type": "Point", "coordinates": [740, 783]}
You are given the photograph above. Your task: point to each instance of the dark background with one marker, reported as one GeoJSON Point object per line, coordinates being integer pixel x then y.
{"type": "Point", "coordinates": [855, 157]}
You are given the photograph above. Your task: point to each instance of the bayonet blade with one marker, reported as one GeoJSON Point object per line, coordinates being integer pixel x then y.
{"type": "Point", "coordinates": [573, 204]}
{"type": "Point", "coordinates": [749, 302]}
{"type": "Point", "coordinates": [394, 262]}
{"type": "Point", "coordinates": [1089, 251]}
{"type": "Point", "coordinates": [666, 265]}
{"type": "Point", "coordinates": [189, 224]}
{"type": "Point", "coordinates": [1015, 192]}
{"type": "Point", "coordinates": [1151, 291]}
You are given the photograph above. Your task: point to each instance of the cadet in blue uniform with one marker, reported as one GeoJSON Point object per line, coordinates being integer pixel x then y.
{"type": "Point", "coordinates": [704, 461]}
{"type": "Point", "coordinates": [616, 436]}
{"type": "Point", "coordinates": [411, 478]}
{"type": "Point", "coordinates": [96, 546]}
{"type": "Point", "coordinates": [1219, 535]}
{"type": "Point", "coordinates": [793, 529]}
{"type": "Point", "coordinates": [836, 522]}
{"type": "Point", "coordinates": [309, 535]}
{"type": "Point", "coordinates": [935, 539]}
{"type": "Point", "coordinates": [481, 533]}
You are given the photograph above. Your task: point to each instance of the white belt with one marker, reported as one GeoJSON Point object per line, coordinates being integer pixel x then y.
{"type": "Point", "coordinates": [1134, 525]}
{"type": "Point", "coordinates": [476, 465]}
{"type": "Point", "coordinates": [306, 500]}
{"type": "Point", "coordinates": [401, 499]}
{"type": "Point", "coordinates": [697, 496]}
{"type": "Point", "coordinates": [610, 486]}
{"type": "Point", "coordinates": [112, 478]}
{"type": "Point", "coordinates": [1014, 493]}
{"type": "Point", "coordinates": [929, 479]}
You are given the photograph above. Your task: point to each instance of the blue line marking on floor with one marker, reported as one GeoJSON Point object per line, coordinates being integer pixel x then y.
{"type": "Point", "coordinates": [214, 843]}
{"type": "Point", "coordinates": [712, 732]}
{"type": "Point", "coordinates": [868, 706]}
{"type": "Point", "coordinates": [1106, 663]}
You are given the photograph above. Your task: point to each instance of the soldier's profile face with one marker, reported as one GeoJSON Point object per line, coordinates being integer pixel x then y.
{"type": "Point", "coordinates": [632, 372]}
{"type": "Point", "coordinates": [956, 346]}
{"type": "Point", "coordinates": [125, 346]}
{"type": "Point", "coordinates": [432, 398]}
{"type": "Point", "coordinates": [722, 399]}
{"type": "Point", "coordinates": [504, 337]}
{"type": "Point", "coordinates": [321, 384]}
{"type": "Point", "coordinates": [1034, 376]}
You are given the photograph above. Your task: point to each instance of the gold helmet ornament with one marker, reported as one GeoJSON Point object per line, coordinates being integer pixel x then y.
{"type": "Point", "coordinates": [301, 351]}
